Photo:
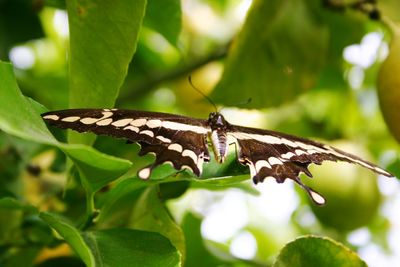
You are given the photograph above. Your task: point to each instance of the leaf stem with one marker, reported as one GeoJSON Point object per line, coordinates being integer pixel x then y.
{"type": "Point", "coordinates": [91, 212]}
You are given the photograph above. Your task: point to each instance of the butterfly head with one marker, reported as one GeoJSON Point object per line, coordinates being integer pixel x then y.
{"type": "Point", "coordinates": [217, 121]}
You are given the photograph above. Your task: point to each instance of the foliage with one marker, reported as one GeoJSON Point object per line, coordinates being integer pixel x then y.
{"type": "Point", "coordinates": [69, 199]}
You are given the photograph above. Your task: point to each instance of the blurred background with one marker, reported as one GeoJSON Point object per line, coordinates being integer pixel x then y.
{"type": "Point", "coordinates": [327, 91]}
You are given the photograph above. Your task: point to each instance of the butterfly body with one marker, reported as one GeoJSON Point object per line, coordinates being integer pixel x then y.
{"type": "Point", "coordinates": [183, 142]}
{"type": "Point", "coordinates": [218, 135]}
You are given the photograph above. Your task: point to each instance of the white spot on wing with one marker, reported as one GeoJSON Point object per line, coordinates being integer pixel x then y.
{"type": "Point", "coordinates": [104, 122]}
{"type": "Point", "coordinates": [317, 197]}
{"type": "Point", "coordinates": [299, 152]}
{"type": "Point", "coordinates": [190, 154]}
{"type": "Point", "coordinates": [163, 139]}
{"type": "Point", "coordinates": [262, 163]}
{"type": "Point", "coordinates": [138, 122]}
{"type": "Point", "coordinates": [88, 120]}
{"type": "Point", "coordinates": [144, 173]}
{"type": "Point", "coordinates": [288, 155]}
{"type": "Point", "coordinates": [147, 132]}
{"type": "Point", "coordinates": [70, 119]}
{"type": "Point", "coordinates": [269, 139]}
{"type": "Point", "coordinates": [121, 123]}
{"type": "Point", "coordinates": [51, 117]}
{"type": "Point", "coordinates": [186, 167]}
{"type": "Point", "coordinates": [132, 128]}
{"type": "Point", "coordinates": [169, 163]}
{"type": "Point", "coordinates": [154, 123]}
{"type": "Point", "coordinates": [200, 163]}
{"type": "Point", "coordinates": [184, 127]}
{"type": "Point", "coordinates": [253, 171]}
{"type": "Point", "coordinates": [176, 147]}
{"type": "Point", "coordinates": [312, 151]}
{"type": "Point", "coordinates": [106, 114]}
{"type": "Point", "coordinates": [274, 161]}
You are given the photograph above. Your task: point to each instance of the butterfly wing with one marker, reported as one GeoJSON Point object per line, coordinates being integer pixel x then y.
{"type": "Point", "coordinates": [282, 156]}
{"type": "Point", "coordinates": [175, 139]}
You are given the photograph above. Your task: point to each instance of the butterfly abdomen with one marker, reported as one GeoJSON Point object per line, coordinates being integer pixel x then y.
{"type": "Point", "coordinates": [219, 144]}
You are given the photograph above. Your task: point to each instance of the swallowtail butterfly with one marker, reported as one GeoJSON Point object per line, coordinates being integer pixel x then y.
{"type": "Point", "coordinates": [182, 142]}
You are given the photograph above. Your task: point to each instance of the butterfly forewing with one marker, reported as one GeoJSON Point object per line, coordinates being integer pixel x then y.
{"type": "Point", "coordinates": [175, 139]}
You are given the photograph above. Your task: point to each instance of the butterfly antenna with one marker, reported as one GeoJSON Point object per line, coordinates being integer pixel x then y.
{"type": "Point", "coordinates": [203, 94]}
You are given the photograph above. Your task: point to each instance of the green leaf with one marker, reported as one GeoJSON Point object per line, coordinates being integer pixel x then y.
{"type": "Point", "coordinates": [103, 37]}
{"type": "Point", "coordinates": [197, 254]}
{"type": "Point", "coordinates": [116, 247]}
{"type": "Point", "coordinates": [125, 247]}
{"type": "Point", "coordinates": [224, 182]}
{"type": "Point", "coordinates": [71, 235]}
{"type": "Point", "coordinates": [276, 57]}
{"type": "Point", "coordinates": [317, 251]}
{"type": "Point", "coordinates": [165, 17]}
{"type": "Point", "coordinates": [97, 169]}
{"type": "Point", "coordinates": [115, 199]}
{"type": "Point", "coordinates": [17, 116]}
{"type": "Point", "coordinates": [150, 214]}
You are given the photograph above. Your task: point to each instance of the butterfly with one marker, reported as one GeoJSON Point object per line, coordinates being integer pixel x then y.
{"type": "Point", "coordinates": [183, 142]}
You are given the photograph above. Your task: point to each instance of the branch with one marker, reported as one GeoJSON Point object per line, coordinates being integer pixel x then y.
{"type": "Point", "coordinates": [147, 86]}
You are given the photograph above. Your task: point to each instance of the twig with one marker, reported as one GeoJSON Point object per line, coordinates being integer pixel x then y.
{"type": "Point", "coordinates": [147, 86]}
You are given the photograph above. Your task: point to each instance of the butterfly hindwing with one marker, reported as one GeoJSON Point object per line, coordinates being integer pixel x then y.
{"type": "Point", "coordinates": [189, 152]}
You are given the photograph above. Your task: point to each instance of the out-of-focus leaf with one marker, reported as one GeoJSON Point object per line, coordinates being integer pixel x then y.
{"type": "Point", "coordinates": [71, 235]}
{"type": "Point", "coordinates": [22, 257]}
{"type": "Point", "coordinates": [197, 254]}
{"type": "Point", "coordinates": [164, 17]}
{"type": "Point", "coordinates": [13, 204]}
{"type": "Point", "coordinates": [19, 22]}
{"type": "Point", "coordinates": [389, 8]}
{"type": "Point", "coordinates": [351, 192]}
{"type": "Point", "coordinates": [103, 36]}
{"type": "Point", "coordinates": [344, 29]}
{"type": "Point", "coordinates": [126, 247]}
{"type": "Point", "coordinates": [56, 3]}
{"type": "Point", "coordinates": [150, 214]}
{"type": "Point", "coordinates": [317, 251]}
{"type": "Point", "coordinates": [276, 57]}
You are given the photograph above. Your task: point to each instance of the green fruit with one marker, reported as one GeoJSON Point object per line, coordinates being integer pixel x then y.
{"type": "Point", "coordinates": [351, 193]}
{"type": "Point", "coordinates": [389, 88]}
